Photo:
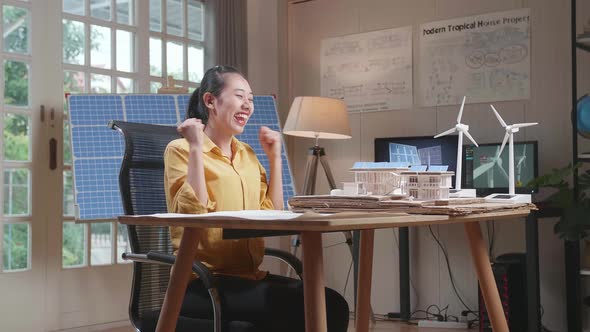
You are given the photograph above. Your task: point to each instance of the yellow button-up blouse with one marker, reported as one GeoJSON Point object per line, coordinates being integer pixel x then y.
{"type": "Point", "coordinates": [238, 184]}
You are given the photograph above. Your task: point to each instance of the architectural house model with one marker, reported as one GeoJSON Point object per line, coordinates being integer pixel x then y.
{"type": "Point", "coordinates": [426, 185]}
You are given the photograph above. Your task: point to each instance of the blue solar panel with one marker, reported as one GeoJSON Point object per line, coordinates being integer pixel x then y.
{"type": "Point", "coordinates": [403, 153]}
{"type": "Point", "coordinates": [97, 150]}
{"type": "Point", "coordinates": [438, 168]}
{"type": "Point", "coordinates": [378, 165]}
{"type": "Point", "coordinates": [418, 168]}
{"type": "Point", "coordinates": [96, 175]}
{"type": "Point", "coordinates": [152, 109]}
{"type": "Point", "coordinates": [93, 142]}
{"type": "Point", "coordinates": [95, 110]}
{"type": "Point", "coordinates": [98, 205]}
{"type": "Point", "coordinates": [182, 105]}
{"type": "Point", "coordinates": [431, 155]}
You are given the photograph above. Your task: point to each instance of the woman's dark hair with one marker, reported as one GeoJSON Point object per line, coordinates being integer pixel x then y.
{"type": "Point", "coordinates": [212, 82]}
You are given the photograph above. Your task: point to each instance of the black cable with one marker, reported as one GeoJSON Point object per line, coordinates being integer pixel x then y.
{"type": "Point", "coordinates": [439, 315]}
{"type": "Point", "coordinates": [334, 245]}
{"type": "Point", "coordinates": [428, 314]}
{"type": "Point", "coordinates": [491, 237]}
{"type": "Point", "coordinates": [452, 318]}
{"type": "Point", "coordinates": [347, 277]}
{"type": "Point", "coordinates": [419, 318]}
{"type": "Point", "coordinates": [450, 271]}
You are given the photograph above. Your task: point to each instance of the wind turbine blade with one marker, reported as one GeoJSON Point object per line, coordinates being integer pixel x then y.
{"type": "Point", "coordinates": [506, 136]}
{"type": "Point", "coordinates": [502, 170]}
{"type": "Point", "coordinates": [522, 125]}
{"type": "Point", "coordinates": [522, 157]}
{"type": "Point", "coordinates": [444, 133]}
{"type": "Point", "coordinates": [470, 138]}
{"type": "Point", "coordinates": [499, 117]}
{"type": "Point", "coordinates": [461, 110]}
{"type": "Point", "coordinates": [482, 169]}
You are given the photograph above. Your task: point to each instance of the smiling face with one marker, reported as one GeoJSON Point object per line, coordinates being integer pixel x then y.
{"type": "Point", "coordinates": [230, 111]}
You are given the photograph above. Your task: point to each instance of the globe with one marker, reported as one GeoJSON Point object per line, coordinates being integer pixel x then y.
{"type": "Point", "coordinates": [583, 110]}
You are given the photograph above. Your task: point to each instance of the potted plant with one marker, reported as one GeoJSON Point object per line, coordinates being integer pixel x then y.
{"type": "Point", "coordinates": [574, 223]}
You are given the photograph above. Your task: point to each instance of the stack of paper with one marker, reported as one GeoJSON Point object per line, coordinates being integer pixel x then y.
{"type": "Point", "coordinates": [451, 207]}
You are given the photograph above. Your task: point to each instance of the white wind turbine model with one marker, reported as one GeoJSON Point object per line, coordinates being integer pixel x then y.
{"type": "Point", "coordinates": [462, 130]}
{"type": "Point", "coordinates": [509, 136]}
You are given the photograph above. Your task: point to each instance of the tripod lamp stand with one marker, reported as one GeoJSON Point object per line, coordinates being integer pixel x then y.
{"type": "Point", "coordinates": [319, 118]}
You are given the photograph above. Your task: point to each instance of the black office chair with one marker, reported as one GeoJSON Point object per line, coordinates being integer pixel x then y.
{"type": "Point", "coordinates": [141, 183]}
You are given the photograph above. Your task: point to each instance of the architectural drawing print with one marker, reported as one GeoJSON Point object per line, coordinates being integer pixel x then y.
{"type": "Point", "coordinates": [486, 57]}
{"type": "Point", "coordinates": [370, 71]}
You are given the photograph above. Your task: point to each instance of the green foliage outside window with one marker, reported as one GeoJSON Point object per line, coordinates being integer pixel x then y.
{"type": "Point", "coordinates": [16, 237]}
{"type": "Point", "coordinates": [73, 253]}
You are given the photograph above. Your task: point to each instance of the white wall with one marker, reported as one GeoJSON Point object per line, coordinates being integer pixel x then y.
{"type": "Point", "coordinates": [263, 73]}
{"type": "Point", "coordinates": [285, 53]}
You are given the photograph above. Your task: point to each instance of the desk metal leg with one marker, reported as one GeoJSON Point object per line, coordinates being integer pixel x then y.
{"type": "Point", "coordinates": [404, 273]}
{"type": "Point", "coordinates": [532, 272]}
{"type": "Point", "coordinates": [572, 286]}
{"type": "Point", "coordinates": [363, 305]}
{"type": "Point", "coordinates": [179, 279]}
{"type": "Point", "coordinates": [487, 283]}
{"type": "Point", "coordinates": [314, 294]}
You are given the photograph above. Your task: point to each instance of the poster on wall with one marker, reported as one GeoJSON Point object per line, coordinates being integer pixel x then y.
{"type": "Point", "coordinates": [484, 57]}
{"type": "Point", "coordinates": [370, 71]}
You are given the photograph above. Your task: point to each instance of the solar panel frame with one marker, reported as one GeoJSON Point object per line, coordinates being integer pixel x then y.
{"type": "Point", "coordinates": [93, 142]}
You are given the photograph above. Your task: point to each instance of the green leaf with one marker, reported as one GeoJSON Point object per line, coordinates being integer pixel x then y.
{"type": "Point", "coordinates": [574, 223]}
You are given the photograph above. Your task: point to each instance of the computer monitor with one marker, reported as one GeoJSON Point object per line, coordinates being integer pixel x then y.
{"type": "Point", "coordinates": [419, 150]}
{"type": "Point", "coordinates": [486, 173]}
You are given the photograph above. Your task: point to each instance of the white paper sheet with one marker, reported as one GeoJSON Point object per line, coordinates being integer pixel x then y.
{"type": "Point", "coordinates": [244, 214]}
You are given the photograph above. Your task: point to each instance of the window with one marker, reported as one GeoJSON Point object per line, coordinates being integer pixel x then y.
{"type": "Point", "coordinates": [100, 39]}
{"type": "Point", "coordinates": [16, 57]}
{"type": "Point", "coordinates": [176, 42]}
{"type": "Point", "coordinates": [99, 56]}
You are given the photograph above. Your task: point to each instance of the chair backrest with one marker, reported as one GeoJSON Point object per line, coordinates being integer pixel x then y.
{"type": "Point", "coordinates": [141, 182]}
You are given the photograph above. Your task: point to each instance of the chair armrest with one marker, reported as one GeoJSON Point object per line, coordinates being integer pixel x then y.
{"type": "Point", "coordinates": [160, 258]}
{"type": "Point", "coordinates": [286, 257]}
{"type": "Point", "coordinates": [199, 268]}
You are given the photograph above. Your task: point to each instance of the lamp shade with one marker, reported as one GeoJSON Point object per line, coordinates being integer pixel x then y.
{"type": "Point", "coordinates": [318, 117]}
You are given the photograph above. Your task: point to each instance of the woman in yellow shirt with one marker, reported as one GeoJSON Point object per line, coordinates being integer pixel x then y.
{"type": "Point", "coordinates": [210, 170]}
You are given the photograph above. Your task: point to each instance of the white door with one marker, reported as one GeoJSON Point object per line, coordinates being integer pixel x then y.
{"type": "Point", "coordinates": [24, 167]}
{"type": "Point", "coordinates": [56, 274]}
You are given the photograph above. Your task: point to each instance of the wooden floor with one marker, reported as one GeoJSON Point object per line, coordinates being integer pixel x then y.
{"type": "Point", "coordinates": [379, 327]}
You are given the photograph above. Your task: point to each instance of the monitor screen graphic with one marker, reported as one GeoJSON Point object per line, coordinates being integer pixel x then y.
{"type": "Point", "coordinates": [419, 151]}
{"type": "Point", "coordinates": [487, 172]}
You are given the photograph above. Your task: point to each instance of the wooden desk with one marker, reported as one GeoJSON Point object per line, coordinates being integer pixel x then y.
{"type": "Point", "coordinates": [311, 228]}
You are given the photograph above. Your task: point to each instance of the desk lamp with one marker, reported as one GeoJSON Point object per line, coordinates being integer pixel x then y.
{"type": "Point", "coordinates": [317, 117]}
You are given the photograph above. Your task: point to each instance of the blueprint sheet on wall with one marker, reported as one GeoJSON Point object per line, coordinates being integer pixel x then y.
{"type": "Point", "coordinates": [484, 57]}
{"type": "Point", "coordinates": [370, 71]}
